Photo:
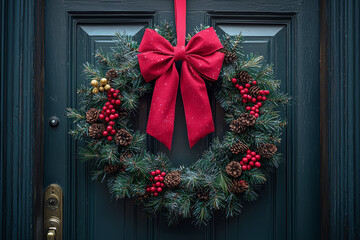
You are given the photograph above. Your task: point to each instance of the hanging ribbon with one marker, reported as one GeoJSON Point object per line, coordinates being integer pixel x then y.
{"type": "Point", "coordinates": [200, 59]}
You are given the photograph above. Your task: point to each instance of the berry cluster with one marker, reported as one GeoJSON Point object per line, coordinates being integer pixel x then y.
{"type": "Point", "coordinates": [157, 182]}
{"type": "Point", "coordinates": [251, 160]}
{"type": "Point", "coordinates": [109, 113]}
{"type": "Point", "coordinates": [255, 97]}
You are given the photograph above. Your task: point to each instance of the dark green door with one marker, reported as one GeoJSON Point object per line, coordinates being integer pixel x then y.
{"type": "Point", "coordinates": [284, 31]}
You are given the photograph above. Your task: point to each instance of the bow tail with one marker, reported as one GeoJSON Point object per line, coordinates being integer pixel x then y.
{"type": "Point", "coordinates": [162, 111]}
{"type": "Point", "coordinates": [198, 114]}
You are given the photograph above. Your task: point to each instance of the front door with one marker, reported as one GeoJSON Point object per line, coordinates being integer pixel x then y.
{"type": "Point", "coordinates": [285, 32]}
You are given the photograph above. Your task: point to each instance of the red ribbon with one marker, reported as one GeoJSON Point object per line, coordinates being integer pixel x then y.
{"type": "Point", "coordinates": [200, 59]}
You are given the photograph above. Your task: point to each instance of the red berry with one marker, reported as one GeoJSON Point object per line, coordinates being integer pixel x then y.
{"type": "Point", "coordinates": [113, 132]}
{"type": "Point", "coordinates": [112, 117]}
{"type": "Point", "coordinates": [263, 98]}
{"type": "Point", "coordinates": [157, 172]}
{"type": "Point", "coordinates": [158, 184]}
{"type": "Point", "coordinates": [237, 85]}
{"type": "Point", "coordinates": [253, 100]}
{"type": "Point", "coordinates": [253, 159]}
{"type": "Point", "coordinates": [244, 167]}
{"type": "Point", "coordinates": [251, 163]}
{"type": "Point", "coordinates": [101, 116]}
{"type": "Point", "coordinates": [248, 108]}
{"type": "Point", "coordinates": [245, 96]}
{"type": "Point", "coordinates": [266, 92]}
{"type": "Point", "coordinates": [115, 95]}
{"type": "Point", "coordinates": [248, 156]}
{"type": "Point", "coordinates": [248, 151]}
{"type": "Point", "coordinates": [241, 87]}
{"type": "Point", "coordinates": [259, 98]}
{"type": "Point", "coordinates": [111, 107]}
{"type": "Point", "coordinates": [247, 85]}
{"type": "Point", "coordinates": [249, 97]}
{"type": "Point", "coordinates": [109, 128]}
{"type": "Point", "coordinates": [110, 138]}
{"type": "Point", "coordinates": [241, 163]}
{"type": "Point", "coordinates": [107, 103]}
{"type": "Point", "coordinates": [244, 101]}
{"type": "Point", "coordinates": [156, 178]}
{"type": "Point", "coordinates": [253, 154]}
{"type": "Point", "coordinates": [233, 80]}
{"type": "Point", "coordinates": [252, 112]}
{"type": "Point", "coordinates": [117, 90]}
{"type": "Point", "coordinates": [155, 194]}
{"type": "Point", "coordinates": [113, 101]}
{"type": "Point", "coordinates": [256, 115]}
{"type": "Point", "coordinates": [116, 115]}
{"type": "Point", "coordinates": [246, 90]}
{"type": "Point", "coordinates": [248, 167]}
{"type": "Point", "coordinates": [163, 174]}
{"type": "Point", "coordinates": [242, 92]}
{"type": "Point", "coordinates": [162, 185]}
{"type": "Point", "coordinates": [153, 173]}
{"type": "Point", "coordinates": [108, 112]}
{"type": "Point", "coordinates": [104, 108]}
{"type": "Point", "coordinates": [254, 82]}
{"type": "Point", "coordinates": [112, 90]}
{"type": "Point", "coordinates": [152, 189]}
{"type": "Point", "coordinates": [105, 133]}
{"type": "Point", "coordinates": [161, 179]}
{"type": "Point", "coordinates": [257, 164]}
{"type": "Point", "coordinates": [111, 123]}
{"type": "Point", "coordinates": [159, 189]}
{"type": "Point", "coordinates": [148, 189]}
{"type": "Point", "coordinates": [117, 102]}
{"type": "Point", "coordinates": [107, 119]}
{"type": "Point", "coordinates": [258, 157]}
{"type": "Point", "coordinates": [261, 92]}
{"type": "Point", "coordinates": [259, 104]}
{"type": "Point", "coordinates": [256, 110]}
{"type": "Point", "coordinates": [245, 160]}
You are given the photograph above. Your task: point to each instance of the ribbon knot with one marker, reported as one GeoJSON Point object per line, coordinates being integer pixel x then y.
{"type": "Point", "coordinates": [201, 59]}
{"type": "Point", "coordinates": [179, 52]}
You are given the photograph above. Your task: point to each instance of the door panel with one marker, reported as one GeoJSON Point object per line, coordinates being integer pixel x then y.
{"type": "Point", "coordinates": [75, 29]}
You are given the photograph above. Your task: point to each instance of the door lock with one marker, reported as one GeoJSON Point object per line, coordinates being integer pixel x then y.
{"type": "Point", "coordinates": [53, 212]}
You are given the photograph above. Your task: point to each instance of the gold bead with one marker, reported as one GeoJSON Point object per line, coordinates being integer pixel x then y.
{"type": "Point", "coordinates": [103, 81]}
{"type": "Point", "coordinates": [95, 90]}
{"type": "Point", "coordinates": [94, 83]}
{"type": "Point", "coordinates": [101, 89]}
{"type": "Point", "coordinates": [107, 87]}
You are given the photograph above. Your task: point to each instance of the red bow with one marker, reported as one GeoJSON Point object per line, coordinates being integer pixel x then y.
{"type": "Point", "coordinates": [200, 60]}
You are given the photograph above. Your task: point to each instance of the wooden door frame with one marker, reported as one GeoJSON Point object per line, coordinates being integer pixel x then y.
{"type": "Point", "coordinates": [22, 123]}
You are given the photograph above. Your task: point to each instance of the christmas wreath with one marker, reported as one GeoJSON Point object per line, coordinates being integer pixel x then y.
{"type": "Point", "coordinates": [230, 172]}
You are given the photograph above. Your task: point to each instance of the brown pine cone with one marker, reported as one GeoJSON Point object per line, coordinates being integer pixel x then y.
{"type": "Point", "coordinates": [123, 137]}
{"type": "Point", "coordinates": [125, 155]}
{"type": "Point", "coordinates": [267, 150]}
{"type": "Point", "coordinates": [237, 126]}
{"type": "Point", "coordinates": [143, 196]}
{"type": "Point", "coordinates": [239, 186]}
{"type": "Point", "coordinates": [229, 57]}
{"type": "Point", "coordinates": [246, 119]}
{"type": "Point", "coordinates": [234, 169]}
{"type": "Point", "coordinates": [172, 179]}
{"type": "Point", "coordinates": [96, 130]}
{"type": "Point", "coordinates": [254, 91]}
{"type": "Point", "coordinates": [112, 168]}
{"type": "Point", "coordinates": [239, 147]}
{"type": "Point", "coordinates": [203, 195]}
{"type": "Point", "coordinates": [122, 113]}
{"type": "Point", "coordinates": [92, 115]}
{"type": "Point", "coordinates": [111, 74]}
{"type": "Point", "coordinates": [244, 77]}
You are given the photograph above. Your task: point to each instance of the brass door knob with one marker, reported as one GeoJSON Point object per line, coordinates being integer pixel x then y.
{"type": "Point", "coordinates": [51, 234]}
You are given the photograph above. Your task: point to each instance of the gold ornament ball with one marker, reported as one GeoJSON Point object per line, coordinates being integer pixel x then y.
{"type": "Point", "coordinates": [107, 87]}
{"type": "Point", "coordinates": [103, 81]}
{"type": "Point", "coordinates": [95, 90]}
{"type": "Point", "coordinates": [101, 89]}
{"type": "Point", "coordinates": [94, 83]}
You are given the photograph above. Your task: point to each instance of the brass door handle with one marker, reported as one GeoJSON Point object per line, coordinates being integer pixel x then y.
{"type": "Point", "coordinates": [53, 212]}
{"type": "Point", "coordinates": [51, 234]}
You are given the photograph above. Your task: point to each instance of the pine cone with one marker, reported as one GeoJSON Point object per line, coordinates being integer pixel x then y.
{"type": "Point", "coordinates": [111, 74]}
{"type": "Point", "coordinates": [244, 77]}
{"type": "Point", "coordinates": [239, 186]}
{"type": "Point", "coordinates": [122, 113]}
{"type": "Point", "coordinates": [267, 150]}
{"type": "Point", "coordinates": [229, 57]}
{"type": "Point", "coordinates": [246, 119]}
{"type": "Point", "coordinates": [143, 196]}
{"type": "Point", "coordinates": [237, 126]}
{"type": "Point", "coordinates": [172, 179]}
{"type": "Point", "coordinates": [125, 155]}
{"type": "Point", "coordinates": [112, 168]}
{"type": "Point", "coordinates": [203, 195]}
{"type": "Point", "coordinates": [123, 137]}
{"type": "Point", "coordinates": [96, 130]}
{"type": "Point", "coordinates": [239, 147]}
{"type": "Point", "coordinates": [233, 169]}
{"type": "Point", "coordinates": [254, 91]}
{"type": "Point", "coordinates": [92, 115]}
